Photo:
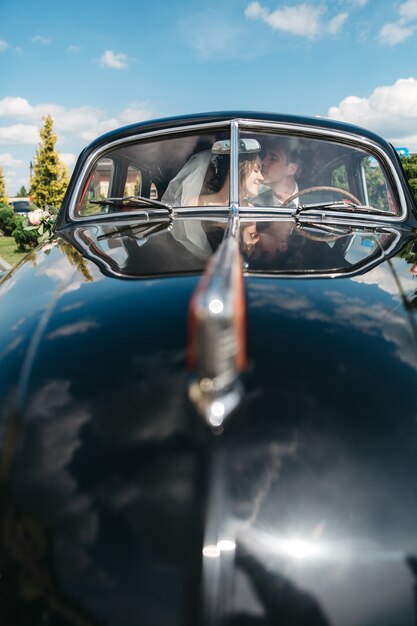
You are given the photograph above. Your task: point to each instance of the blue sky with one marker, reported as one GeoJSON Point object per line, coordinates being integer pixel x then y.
{"type": "Point", "coordinates": [97, 66]}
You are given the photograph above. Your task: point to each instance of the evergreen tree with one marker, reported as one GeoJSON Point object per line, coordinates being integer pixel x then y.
{"type": "Point", "coordinates": [410, 168]}
{"type": "Point", "coordinates": [22, 193]}
{"type": "Point", "coordinates": [50, 176]}
{"type": "Point", "coordinates": [3, 195]}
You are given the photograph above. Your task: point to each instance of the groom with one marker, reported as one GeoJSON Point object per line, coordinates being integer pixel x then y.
{"type": "Point", "coordinates": [279, 169]}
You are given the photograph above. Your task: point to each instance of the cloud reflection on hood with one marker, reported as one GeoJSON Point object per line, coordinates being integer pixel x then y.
{"type": "Point", "coordinates": [90, 466]}
{"type": "Point", "coordinates": [340, 309]}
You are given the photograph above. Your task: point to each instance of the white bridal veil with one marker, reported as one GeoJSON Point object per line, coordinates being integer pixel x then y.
{"type": "Point", "coordinates": [184, 190]}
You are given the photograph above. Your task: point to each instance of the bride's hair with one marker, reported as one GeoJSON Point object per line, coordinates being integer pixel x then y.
{"type": "Point", "coordinates": [219, 167]}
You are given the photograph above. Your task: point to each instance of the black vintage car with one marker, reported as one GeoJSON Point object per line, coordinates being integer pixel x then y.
{"type": "Point", "coordinates": [208, 390]}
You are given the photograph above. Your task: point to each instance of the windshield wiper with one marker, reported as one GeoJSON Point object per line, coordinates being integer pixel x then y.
{"type": "Point", "coordinates": [363, 208]}
{"type": "Point", "coordinates": [140, 232]}
{"type": "Point", "coordinates": [135, 200]}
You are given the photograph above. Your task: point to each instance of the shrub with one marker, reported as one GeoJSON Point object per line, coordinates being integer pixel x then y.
{"type": "Point", "coordinates": [7, 219]}
{"type": "Point", "coordinates": [24, 238]}
{"type": "Point", "coordinates": [12, 225]}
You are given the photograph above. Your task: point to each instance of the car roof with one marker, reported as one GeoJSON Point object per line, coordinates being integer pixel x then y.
{"type": "Point", "coordinates": [219, 116]}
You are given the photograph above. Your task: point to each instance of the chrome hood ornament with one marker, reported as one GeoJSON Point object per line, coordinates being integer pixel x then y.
{"type": "Point", "coordinates": [217, 333]}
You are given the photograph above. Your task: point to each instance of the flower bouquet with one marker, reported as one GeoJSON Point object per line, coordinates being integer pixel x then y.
{"type": "Point", "coordinates": [42, 221]}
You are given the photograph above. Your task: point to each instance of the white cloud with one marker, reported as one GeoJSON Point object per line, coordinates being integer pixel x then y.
{"type": "Point", "coordinates": [390, 110]}
{"type": "Point", "coordinates": [408, 10]}
{"type": "Point", "coordinates": [74, 49]}
{"type": "Point", "coordinates": [303, 20]}
{"type": "Point", "coordinates": [393, 33]}
{"type": "Point", "coordinates": [42, 40]}
{"type": "Point", "coordinates": [84, 122]}
{"type": "Point", "coordinates": [75, 120]}
{"type": "Point", "coordinates": [135, 113]}
{"type": "Point", "coordinates": [68, 158]}
{"type": "Point", "coordinates": [3, 45]}
{"type": "Point", "coordinates": [254, 11]}
{"type": "Point", "coordinates": [114, 61]}
{"type": "Point", "coordinates": [17, 107]}
{"type": "Point", "coordinates": [19, 134]}
{"type": "Point", "coordinates": [73, 329]}
{"type": "Point", "coordinates": [7, 160]}
{"type": "Point", "coordinates": [336, 23]}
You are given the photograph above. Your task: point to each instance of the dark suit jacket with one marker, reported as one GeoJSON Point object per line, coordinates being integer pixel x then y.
{"type": "Point", "coordinates": [267, 198]}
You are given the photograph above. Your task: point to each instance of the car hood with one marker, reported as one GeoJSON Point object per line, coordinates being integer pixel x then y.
{"type": "Point", "coordinates": [320, 486]}
{"type": "Point", "coordinates": [115, 493]}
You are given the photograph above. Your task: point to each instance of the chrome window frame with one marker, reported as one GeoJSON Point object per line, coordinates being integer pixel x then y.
{"type": "Point", "coordinates": [99, 152]}
{"type": "Point", "coordinates": [364, 182]}
{"type": "Point", "coordinates": [235, 126]}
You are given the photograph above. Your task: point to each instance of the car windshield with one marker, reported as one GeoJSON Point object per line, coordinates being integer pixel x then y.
{"type": "Point", "coordinates": [181, 171]}
{"type": "Point", "coordinates": [21, 205]}
{"type": "Point", "coordinates": [274, 170]}
{"type": "Point", "coordinates": [302, 172]}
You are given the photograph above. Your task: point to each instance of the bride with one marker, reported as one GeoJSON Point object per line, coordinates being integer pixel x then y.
{"type": "Point", "coordinates": [205, 181]}
{"type": "Point", "coordinates": [217, 182]}
{"type": "Point", "coordinates": [205, 178]}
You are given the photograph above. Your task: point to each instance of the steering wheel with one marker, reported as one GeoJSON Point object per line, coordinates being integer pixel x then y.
{"type": "Point", "coordinates": [345, 193]}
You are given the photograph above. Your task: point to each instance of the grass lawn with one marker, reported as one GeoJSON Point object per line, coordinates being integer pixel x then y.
{"type": "Point", "coordinates": [9, 250]}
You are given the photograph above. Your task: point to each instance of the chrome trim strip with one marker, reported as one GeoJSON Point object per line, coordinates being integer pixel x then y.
{"type": "Point", "coordinates": [322, 215]}
{"type": "Point", "coordinates": [145, 215]}
{"type": "Point", "coordinates": [198, 212]}
{"type": "Point", "coordinates": [234, 164]}
{"type": "Point", "coordinates": [364, 185]}
{"type": "Point", "coordinates": [137, 137]}
{"type": "Point", "coordinates": [304, 219]}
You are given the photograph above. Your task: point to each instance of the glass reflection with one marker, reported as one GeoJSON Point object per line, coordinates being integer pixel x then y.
{"type": "Point", "coordinates": [306, 172]}
{"type": "Point", "coordinates": [290, 247]}
{"type": "Point", "coordinates": [137, 250]}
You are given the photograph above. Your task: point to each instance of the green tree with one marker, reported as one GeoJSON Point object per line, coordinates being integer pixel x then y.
{"type": "Point", "coordinates": [50, 176]}
{"type": "Point", "coordinates": [410, 168]}
{"type": "Point", "coordinates": [22, 193]}
{"type": "Point", "coordinates": [376, 185]}
{"type": "Point", "coordinates": [3, 195]}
